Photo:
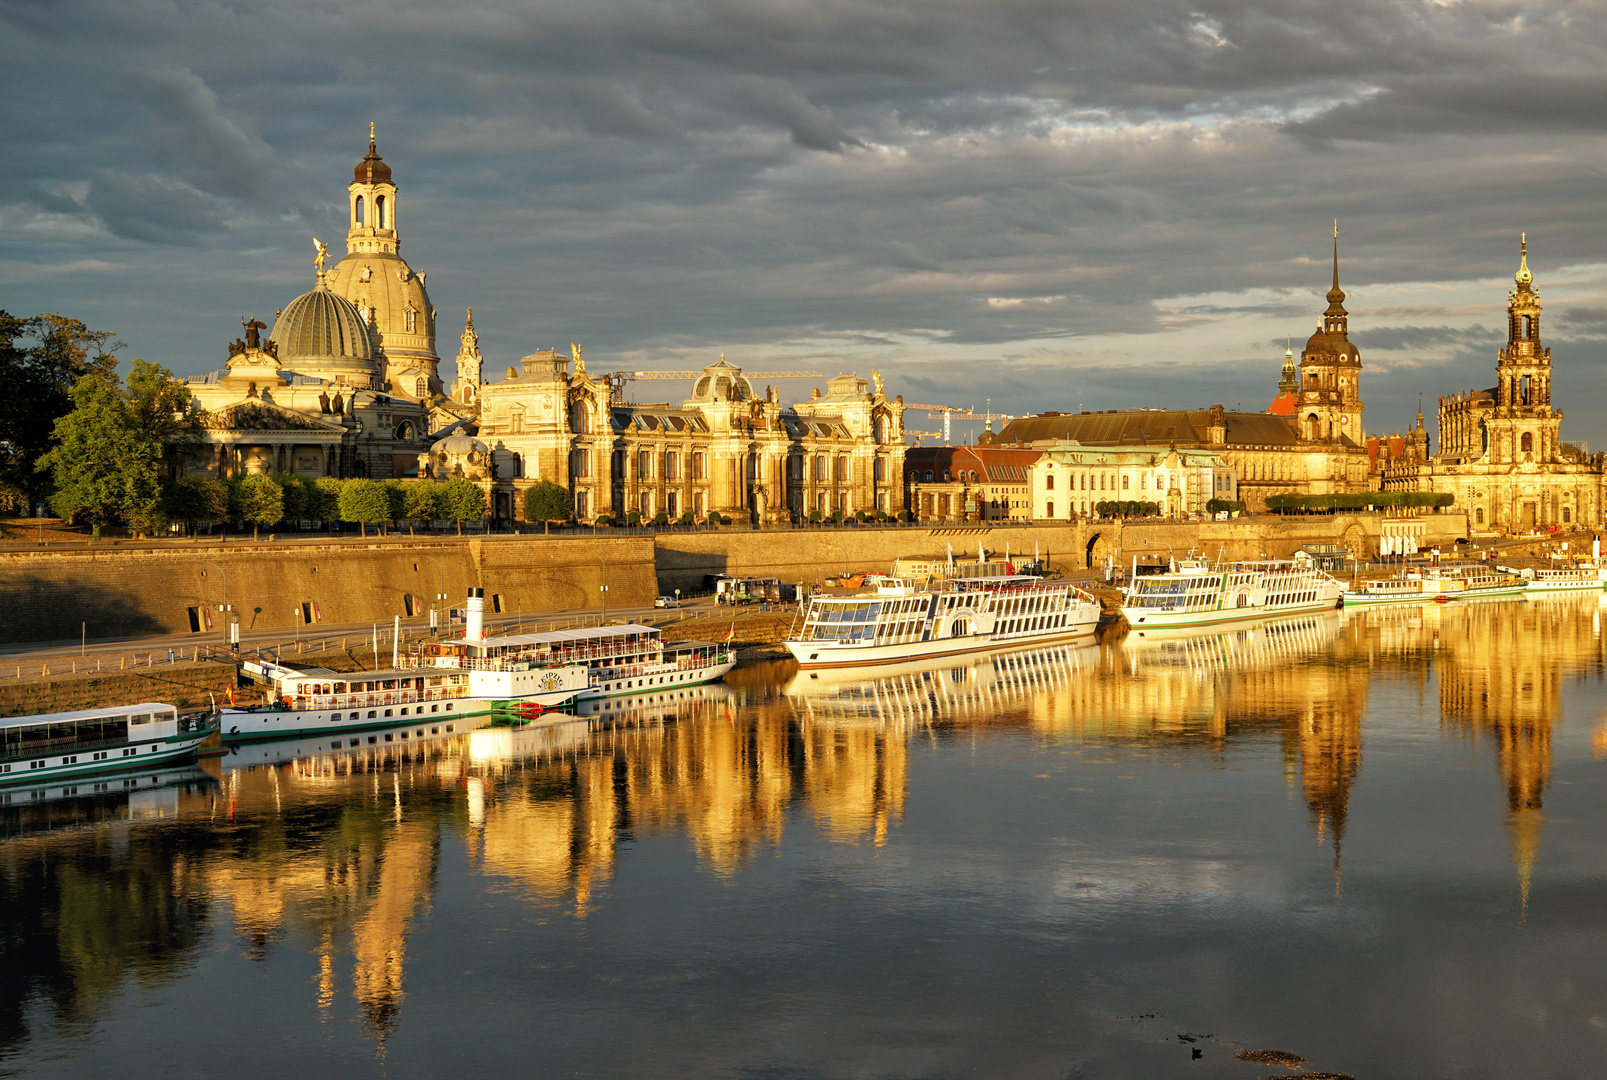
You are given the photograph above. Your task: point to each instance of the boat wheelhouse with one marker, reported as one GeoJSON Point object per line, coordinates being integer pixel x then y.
{"type": "Point", "coordinates": [627, 659]}
{"type": "Point", "coordinates": [51, 746]}
{"type": "Point", "coordinates": [1195, 593]}
{"type": "Point", "coordinates": [900, 622]}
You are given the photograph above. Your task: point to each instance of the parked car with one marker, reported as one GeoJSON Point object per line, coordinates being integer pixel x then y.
{"type": "Point", "coordinates": [666, 601]}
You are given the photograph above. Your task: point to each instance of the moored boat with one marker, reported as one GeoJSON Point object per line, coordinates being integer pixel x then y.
{"type": "Point", "coordinates": [1565, 578]}
{"type": "Point", "coordinates": [1196, 593]}
{"type": "Point", "coordinates": [899, 622]}
{"type": "Point", "coordinates": [54, 746]}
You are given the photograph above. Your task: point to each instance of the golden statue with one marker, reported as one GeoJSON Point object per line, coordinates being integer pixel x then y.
{"type": "Point", "coordinates": [876, 377]}
{"type": "Point", "coordinates": [322, 253]}
{"type": "Point", "coordinates": [580, 363]}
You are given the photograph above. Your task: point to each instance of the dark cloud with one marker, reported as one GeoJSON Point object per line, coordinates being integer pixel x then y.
{"type": "Point", "coordinates": [888, 183]}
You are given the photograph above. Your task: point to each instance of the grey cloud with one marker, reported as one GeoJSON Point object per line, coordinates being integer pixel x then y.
{"type": "Point", "coordinates": [1390, 338]}
{"type": "Point", "coordinates": [811, 126]}
{"type": "Point", "coordinates": [1586, 315]}
{"type": "Point", "coordinates": [154, 208]}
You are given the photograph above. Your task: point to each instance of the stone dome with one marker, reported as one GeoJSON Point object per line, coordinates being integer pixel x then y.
{"type": "Point", "coordinates": [454, 457]}
{"type": "Point", "coordinates": [722, 381]}
{"type": "Point", "coordinates": [320, 331]}
{"type": "Point", "coordinates": [371, 168]}
{"type": "Point", "coordinates": [381, 282]}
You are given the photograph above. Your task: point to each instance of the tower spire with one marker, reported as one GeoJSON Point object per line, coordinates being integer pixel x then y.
{"type": "Point", "coordinates": [1523, 276]}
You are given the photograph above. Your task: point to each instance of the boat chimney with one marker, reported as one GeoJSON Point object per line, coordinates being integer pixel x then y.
{"type": "Point", "coordinates": [474, 625]}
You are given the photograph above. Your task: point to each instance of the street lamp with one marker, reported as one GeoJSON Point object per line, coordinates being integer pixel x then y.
{"type": "Point", "coordinates": [440, 596]}
{"type": "Point", "coordinates": [604, 590]}
{"type": "Point", "coordinates": [226, 610]}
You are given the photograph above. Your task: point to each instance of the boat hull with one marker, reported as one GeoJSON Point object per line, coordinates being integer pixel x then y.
{"type": "Point", "coordinates": [246, 725]}
{"type": "Point", "coordinates": [1178, 620]}
{"type": "Point", "coordinates": [78, 764]}
{"type": "Point", "coordinates": [832, 654]}
{"type": "Point", "coordinates": [651, 680]}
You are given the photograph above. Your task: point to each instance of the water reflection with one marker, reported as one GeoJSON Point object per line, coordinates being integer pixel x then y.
{"type": "Point", "coordinates": [336, 852]}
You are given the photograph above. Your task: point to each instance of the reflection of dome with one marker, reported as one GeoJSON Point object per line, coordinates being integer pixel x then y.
{"type": "Point", "coordinates": [723, 382]}
{"type": "Point", "coordinates": [319, 330]}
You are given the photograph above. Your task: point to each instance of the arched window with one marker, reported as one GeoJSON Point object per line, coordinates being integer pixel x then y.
{"type": "Point", "coordinates": [1478, 516]}
{"type": "Point", "coordinates": [1049, 482]}
{"type": "Point", "coordinates": [1524, 392]}
{"type": "Point", "coordinates": [1567, 515]}
{"type": "Point", "coordinates": [928, 476]}
{"type": "Point", "coordinates": [518, 465]}
{"type": "Point", "coordinates": [644, 464]}
{"type": "Point", "coordinates": [1125, 485]}
{"type": "Point", "coordinates": [1526, 444]}
{"type": "Point", "coordinates": [379, 212]}
{"type": "Point", "coordinates": [946, 476]}
{"type": "Point", "coordinates": [579, 418]}
{"type": "Point", "coordinates": [410, 321]}
{"type": "Point", "coordinates": [421, 386]}
{"type": "Point", "coordinates": [881, 470]}
{"type": "Point", "coordinates": [842, 470]}
{"type": "Point", "coordinates": [357, 211]}
{"type": "Point", "coordinates": [1526, 328]}
{"type": "Point", "coordinates": [1051, 508]}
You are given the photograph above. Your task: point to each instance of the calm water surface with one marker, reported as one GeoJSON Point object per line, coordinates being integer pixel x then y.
{"type": "Point", "coordinates": [1376, 840]}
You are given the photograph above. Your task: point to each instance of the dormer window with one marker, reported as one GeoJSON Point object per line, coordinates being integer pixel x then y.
{"type": "Point", "coordinates": [411, 320]}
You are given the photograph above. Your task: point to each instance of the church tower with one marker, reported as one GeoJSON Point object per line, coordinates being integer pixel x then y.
{"type": "Point", "coordinates": [1523, 427]}
{"type": "Point", "coordinates": [388, 293]}
{"type": "Point", "coordinates": [1330, 404]}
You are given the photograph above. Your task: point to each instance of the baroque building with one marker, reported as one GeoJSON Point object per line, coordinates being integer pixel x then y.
{"type": "Point", "coordinates": [1501, 452]}
{"type": "Point", "coordinates": [1309, 442]}
{"type": "Point", "coordinates": [344, 384]}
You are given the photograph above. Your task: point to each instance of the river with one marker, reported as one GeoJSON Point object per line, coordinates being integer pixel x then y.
{"type": "Point", "coordinates": [1369, 839]}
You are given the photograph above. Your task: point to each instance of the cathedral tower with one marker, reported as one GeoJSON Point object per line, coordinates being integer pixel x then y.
{"type": "Point", "coordinates": [1330, 404]}
{"type": "Point", "coordinates": [1523, 427]}
{"type": "Point", "coordinates": [389, 293]}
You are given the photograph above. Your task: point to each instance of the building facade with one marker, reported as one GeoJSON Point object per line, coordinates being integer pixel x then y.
{"type": "Point", "coordinates": [969, 483]}
{"type": "Point", "coordinates": [1501, 452]}
{"type": "Point", "coordinates": [1070, 480]}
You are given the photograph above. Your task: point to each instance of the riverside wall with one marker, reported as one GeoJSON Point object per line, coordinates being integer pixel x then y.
{"type": "Point", "coordinates": [685, 560]}
{"type": "Point", "coordinates": [51, 595]}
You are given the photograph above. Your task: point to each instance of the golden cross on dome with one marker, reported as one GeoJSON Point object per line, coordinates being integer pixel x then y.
{"type": "Point", "coordinates": [371, 131]}
{"type": "Point", "coordinates": [1336, 228]}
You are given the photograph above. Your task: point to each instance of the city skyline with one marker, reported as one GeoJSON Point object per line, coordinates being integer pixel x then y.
{"type": "Point", "coordinates": [1113, 207]}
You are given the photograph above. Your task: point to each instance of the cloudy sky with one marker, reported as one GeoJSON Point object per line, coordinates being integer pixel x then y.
{"type": "Point", "coordinates": [1052, 204]}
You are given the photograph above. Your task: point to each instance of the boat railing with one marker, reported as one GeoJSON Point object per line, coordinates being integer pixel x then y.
{"type": "Point", "coordinates": [315, 702]}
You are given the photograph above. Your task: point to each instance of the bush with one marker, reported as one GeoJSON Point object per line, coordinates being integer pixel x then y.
{"type": "Point", "coordinates": [837, 517]}
{"type": "Point", "coordinates": [714, 518]}
{"type": "Point", "coordinates": [633, 519]}
{"type": "Point", "coordinates": [814, 517]}
{"type": "Point", "coordinates": [906, 515]}
{"type": "Point", "coordinates": [661, 518]}
{"type": "Point", "coordinates": [1218, 506]}
{"type": "Point", "coordinates": [602, 521]}
{"type": "Point", "coordinates": [688, 519]}
{"type": "Point", "coordinates": [724, 520]}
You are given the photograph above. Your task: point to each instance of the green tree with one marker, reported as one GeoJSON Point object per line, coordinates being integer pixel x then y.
{"type": "Point", "coordinates": [324, 505]}
{"type": "Point", "coordinates": [547, 502]}
{"type": "Point", "coordinates": [41, 361]}
{"type": "Point", "coordinates": [298, 495]}
{"type": "Point", "coordinates": [258, 501]}
{"type": "Point", "coordinates": [100, 465]}
{"type": "Point", "coordinates": [364, 502]}
{"type": "Point", "coordinates": [422, 501]}
{"type": "Point", "coordinates": [396, 498]}
{"type": "Point", "coordinates": [193, 499]}
{"type": "Point", "coordinates": [461, 501]}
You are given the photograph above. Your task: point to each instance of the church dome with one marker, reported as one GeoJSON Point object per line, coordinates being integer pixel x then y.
{"type": "Point", "coordinates": [321, 331]}
{"type": "Point", "coordinates": [723, 381]}
{"type": "Point", "coordinates": [371, 169]}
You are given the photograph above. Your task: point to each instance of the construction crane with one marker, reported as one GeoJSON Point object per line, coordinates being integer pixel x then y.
{"type": "Point", "coordinates": [919, 435]}
{"type": "Point", "coordinates": [945, 411]}
{"type": "Point", "coordinates": [618, 379]}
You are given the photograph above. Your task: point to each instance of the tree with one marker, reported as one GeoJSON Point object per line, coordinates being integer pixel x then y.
{"type": "Point", "coordinates": [298, 495]}
{"type": "Point", "coordinates": [461, 500]}
{"type": "Point", "coordinates": [41, 361]}
{"type": "Point", "coordinates": [364, 502]}
{"type": "Point", "coordinates": [547, 502]}
{"type": "Point", "coordinates": [324, 504]}
{"type": "Point", "coordinates": [98, 459]}
{"type": "Point", "coordinates": [688, 519]}
{"type": "Point", "coordinates": [193, 499]}
{"type": "Point", "coordinates": [661, 518]}
{"type": "Point", "coordinates": [258, 501]}
{"type": "Point", "coordinates": [422, 501]}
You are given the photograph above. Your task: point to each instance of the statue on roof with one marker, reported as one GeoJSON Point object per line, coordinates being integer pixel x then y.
{"type": "Point", "coordinates": [580, 361]}
{"type": "Point", "coordinates": [321, 253]}
{"type": "Point", "coordinates": [254, 328]}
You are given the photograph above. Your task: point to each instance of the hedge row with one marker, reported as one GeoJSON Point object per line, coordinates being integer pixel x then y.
{"type": "Point", "coordinates": [1359, 500]}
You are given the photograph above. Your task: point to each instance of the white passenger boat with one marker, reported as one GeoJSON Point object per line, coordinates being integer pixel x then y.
{"type": "Point", "coordinates": [1475, 582]}
{"type": "Point", "coordinates": [628, 659]}
{"type": "Point", "coordinates": [317, 701]}
{"type": "Point", "coordinates": [57, 746]}
{"type": "Point", "coordinates": [1412, 589]}
{"type": "Point", "coordinates": [899, 622]}
{"type": "Point", "coordinates": [1565, 579]}
{"type": "Point", "coordinates": [1196, 593]}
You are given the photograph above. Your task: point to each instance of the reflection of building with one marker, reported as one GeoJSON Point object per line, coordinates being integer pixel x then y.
{"type": "Point", "coordinates": [1501, 450]}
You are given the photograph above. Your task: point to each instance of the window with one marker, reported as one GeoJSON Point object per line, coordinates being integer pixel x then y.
{"type": "Point", "coordinates": [410, 318]}
{"type": "Point", "coordinates": [881, 470]}
{"type": "Point", "coordinates": [380, 221]}
{"type": "Point", "coordinates": [820, 469]}
{"type": "Point", "coordinates": [1527, 443]}
{"type": "Point", "coordinates": [1125, 478]}
{"type": "Point", "coordinates": [843, 475]}
{"type": "Point", "coordinates": [644, 465]}
{"type": "Point", "coordinates": [672, 465]}
{"type": "Point", "coordinates": [357, 211]}
{"type": "Point", "coordinates": [1049, 482]}
{"type": "Point", "coordinates": [928, 476]}
{"type": "Point", "coordinates": [1051, 508]}
{"type": "Point", "coordinates": [646, 505]}
{"type": "Point", "coordinates": [1567, 515]}
{"type": "Point", "coordinates": [421, 386]}
{"type": "Point", "coordinates": [697, 467]}
{"type": "Point", "coordinates": [579, 463]}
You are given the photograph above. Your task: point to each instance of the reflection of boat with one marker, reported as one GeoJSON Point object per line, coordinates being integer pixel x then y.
{"type": "Point", "coordinates": [939, 689]}
{"type": "Point", "coordinates": [1274, 641]}
{"type": "Point", "coordinates": [898, 623]}
{"type": "Point", "coordinates": [1198, 594]}
{"type": "Point", "coordinates": [658, 705]}
{"type": "Point", "coordinates": [425, 730]}
{"type": "Point", "coordinates": [133, 795]}
{"type": "Point", "coordinates": [69, 745]}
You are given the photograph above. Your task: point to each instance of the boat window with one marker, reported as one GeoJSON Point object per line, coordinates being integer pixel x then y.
{"type": "Point", "coordinates": [135, 719]}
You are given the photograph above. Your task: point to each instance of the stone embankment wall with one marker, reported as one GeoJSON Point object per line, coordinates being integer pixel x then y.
{"type": "Point", "coordinates": [46, 596]}
{"type": "Point", "coordinates": [809, 555]}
